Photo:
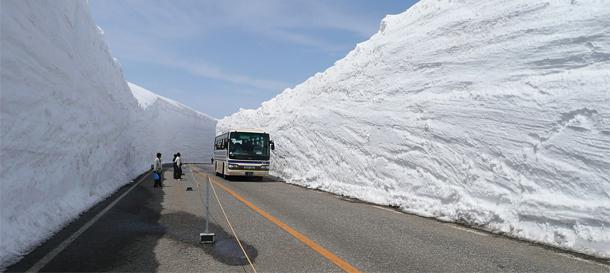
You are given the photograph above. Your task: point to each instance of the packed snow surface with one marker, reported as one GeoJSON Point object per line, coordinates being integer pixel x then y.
{"type": "Point", "coordinates": [71, 130]}
{"type": "Point", "coordinates": [494, 114]}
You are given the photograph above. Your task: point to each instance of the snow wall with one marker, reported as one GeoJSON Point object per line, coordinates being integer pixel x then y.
{"type": "Point", "coordinates": [168, 127]}
{"type": "Point", "coordinates": [71, 130]}
{"type": "Point", "coordinates": [494, 114]}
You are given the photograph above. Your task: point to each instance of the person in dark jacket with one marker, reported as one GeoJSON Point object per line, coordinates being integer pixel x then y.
{"type": "Point", "coordinates": [176, 174]}
{"type": "Point", "coordinates": [178, 162]}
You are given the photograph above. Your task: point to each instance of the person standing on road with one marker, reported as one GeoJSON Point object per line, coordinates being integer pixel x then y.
{"type": "Point", "coordinates": [178, 162]}
{"type": "Point", "coordinates": [176, 176]}
{"type": "Point", "coordinates": [158, 170]}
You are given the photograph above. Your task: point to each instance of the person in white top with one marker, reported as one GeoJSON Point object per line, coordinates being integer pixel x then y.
{"type": "Point", "coordinates": [178, 162]}
{"type": "Point", "coordinates": [158, 169]}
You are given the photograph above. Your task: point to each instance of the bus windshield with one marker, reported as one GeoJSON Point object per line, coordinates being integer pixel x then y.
{"type": "Point", "coordinates": [249, 146]}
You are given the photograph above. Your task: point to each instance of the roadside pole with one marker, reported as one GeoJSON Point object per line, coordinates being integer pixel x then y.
{"type": "Point", "coordinates": [207, 237]}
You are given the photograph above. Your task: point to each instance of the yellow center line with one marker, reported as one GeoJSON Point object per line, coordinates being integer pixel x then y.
{"type": "Point", "coordinates": [304, 239]}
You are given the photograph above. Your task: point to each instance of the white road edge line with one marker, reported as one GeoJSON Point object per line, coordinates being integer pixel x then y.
{"type": "Point", "coordinates": [58, 249]}
{"type": "Point", "coordinates": [468, 230]}
{"type": "Point", "coordinates": [582, 260]}
{"type": "Point", "coordinates": [387, 209]}
{"type": "Point", "coordinates": [453, 226]}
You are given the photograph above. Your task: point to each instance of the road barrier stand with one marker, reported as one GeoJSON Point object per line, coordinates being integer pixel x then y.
{"type": "Point", "coordinates": [207, 237]}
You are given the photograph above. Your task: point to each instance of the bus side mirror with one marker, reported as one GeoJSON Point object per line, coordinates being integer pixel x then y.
{"type": "Point", "coordinates": [272, 145]}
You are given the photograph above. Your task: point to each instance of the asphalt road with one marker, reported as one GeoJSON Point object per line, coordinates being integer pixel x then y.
{"type": "Point", "coordinates": [283, 228]}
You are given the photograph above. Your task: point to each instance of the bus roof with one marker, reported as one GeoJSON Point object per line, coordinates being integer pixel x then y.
{"type": "Point", "coordinates": [246, 130]}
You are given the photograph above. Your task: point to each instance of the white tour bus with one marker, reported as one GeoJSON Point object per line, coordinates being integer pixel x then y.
{"type": "Point", "coordinates": [243, 152]}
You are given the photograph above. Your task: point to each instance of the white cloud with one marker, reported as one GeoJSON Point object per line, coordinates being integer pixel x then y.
{"type": "Point", "coordinates": [205, 70]}
{"type": "Point", "coordinates": [272, 18]}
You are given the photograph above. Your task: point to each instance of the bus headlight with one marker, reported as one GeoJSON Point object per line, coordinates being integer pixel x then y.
{"type": "Point", "coordinates": [233, 166]}
{"type": "Point", "coordinates": [265, 167]}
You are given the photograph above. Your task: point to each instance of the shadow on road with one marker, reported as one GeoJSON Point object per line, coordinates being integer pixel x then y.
{"type": "Point", "coordinates": [208, 169]}
{"type": "Point", "coordinates": [251, 179]}
{"type": "Point", "coordinates": [132, 224]}
{"type": "Point", "coordinates": [125, 237]}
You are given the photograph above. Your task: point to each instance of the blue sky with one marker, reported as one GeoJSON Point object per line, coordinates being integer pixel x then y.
{"type": "Point", "coordinates": [220, 56]}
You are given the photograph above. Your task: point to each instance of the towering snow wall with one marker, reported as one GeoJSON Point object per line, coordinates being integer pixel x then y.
{"type": "Point", "coordinates": [494, 114]}
{"type": "Point", "coordinates": [65, 112]}
{"type": "Point", "coordinates": [168, 127]}
{"type": "Point", "coordinates": [71, 131]}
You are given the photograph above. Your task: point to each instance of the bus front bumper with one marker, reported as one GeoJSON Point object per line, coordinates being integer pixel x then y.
{"type": "Point", "coordinates": [230, 172]}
